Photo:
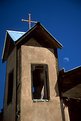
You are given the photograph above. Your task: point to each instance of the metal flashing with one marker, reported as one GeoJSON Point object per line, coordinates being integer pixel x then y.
{"type": "Point", "coordinates": [75, 68]}
{"type": "Point", "coordinates": [54, 41]}
{"type": "Point", "coordinates": [15, 35]}
{"type": "Point", "coordinates": [25, 34]}
{"type": "Point", "coordinates": [4, 46]}
{"type": "Point", "coordinates": [52, 36]}
{"type": "Point", "coordinates": [18, 36]}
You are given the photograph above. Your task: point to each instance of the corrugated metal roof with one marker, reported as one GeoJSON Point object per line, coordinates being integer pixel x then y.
{"type": "Point", "coordinates": [15, 35]}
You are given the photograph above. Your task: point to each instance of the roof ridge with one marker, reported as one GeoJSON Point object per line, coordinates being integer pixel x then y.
{"type": "Point", "coordinates": [15, 35]}
{"type": "Point", "coordinates": [15, 31]}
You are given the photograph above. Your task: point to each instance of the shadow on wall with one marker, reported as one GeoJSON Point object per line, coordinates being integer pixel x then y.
{"type": "Point", "coordinates": [1, 115]}
{"type": "Point", "coordinates": [56, 89]}
{"type": "Point", "coordinates": [58, 93]}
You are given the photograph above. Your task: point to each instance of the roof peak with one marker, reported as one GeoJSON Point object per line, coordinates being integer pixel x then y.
{"type": "Point", "coordinates": [14, 31]}
{"type": "Point", "coordinates": [15, 35]}
{"type": "Point", "coordinates": [18, 36]}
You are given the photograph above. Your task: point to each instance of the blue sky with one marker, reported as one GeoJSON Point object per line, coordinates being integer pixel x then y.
{"type": "Point", "coordinates": [62, 18]}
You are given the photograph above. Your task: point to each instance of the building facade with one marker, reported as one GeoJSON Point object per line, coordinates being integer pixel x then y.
{"type": "Point", "coordinates": [35, 89]}
{"type": "Point", "coordinates": [31, 90]}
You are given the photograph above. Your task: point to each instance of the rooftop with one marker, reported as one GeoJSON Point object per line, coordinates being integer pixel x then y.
{"type": "Point", "coordinates": [15, 35]}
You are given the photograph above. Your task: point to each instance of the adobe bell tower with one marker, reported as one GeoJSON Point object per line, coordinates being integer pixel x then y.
{"type": "Point", "coordinates": [32, 74]}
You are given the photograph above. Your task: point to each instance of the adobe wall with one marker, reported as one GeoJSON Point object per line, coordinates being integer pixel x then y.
{"type": "Point", "coordinates": [9, 110]}
{"type": "Point", "coordinates": [38, 111]}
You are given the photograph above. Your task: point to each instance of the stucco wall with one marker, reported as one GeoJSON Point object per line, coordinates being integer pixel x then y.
{"type": "Point", "coordinates": [9, 110]}
{"type": "Point", "coordinates": [38, 111]}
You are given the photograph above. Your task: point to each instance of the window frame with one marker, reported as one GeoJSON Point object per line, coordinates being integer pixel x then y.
{"type": "Point", "coordinates": [46, 82]}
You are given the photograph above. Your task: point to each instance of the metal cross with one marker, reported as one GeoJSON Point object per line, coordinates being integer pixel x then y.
{"type": "Point", "coordinates": [29, 21]}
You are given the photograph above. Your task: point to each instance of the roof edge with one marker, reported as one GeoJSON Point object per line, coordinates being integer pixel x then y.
{"type": "Point", "coordinates": [61, 46]}
{"type": "Point", "coordinates": [4, 47]}
{"type": "Point", "coordinates": [33, 28]}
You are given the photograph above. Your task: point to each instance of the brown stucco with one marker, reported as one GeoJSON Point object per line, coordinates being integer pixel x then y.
{"type": "Point", "coordinates": [38, 111]}
{"type": "Point", "coordinates": [10, 110]}
{"type": "Point", "coordinates": [36, 46]}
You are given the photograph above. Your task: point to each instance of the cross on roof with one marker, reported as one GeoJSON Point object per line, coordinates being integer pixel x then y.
{"type": "Point", "coordinates": [29, 21]}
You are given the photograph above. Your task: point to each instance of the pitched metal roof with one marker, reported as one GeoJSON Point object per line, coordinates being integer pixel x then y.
{"type": "Point", "coordinates": [42, 31]}
{"type": "Point", "coordinates": [15, 35]}
{"type": "Point", "coordinates": [18, 37]}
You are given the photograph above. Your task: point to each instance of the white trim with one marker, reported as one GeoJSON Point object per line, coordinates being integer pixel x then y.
{"type": "Point", "coordinates": [72, 69]}
{"type": "Point", "coordinates": [4, 45]}
{"type": "Point", "coordinates": [15, 38]}
{"type": "Point", "coordinates": [15, 31]}
{"type": "Point", "coordinates": [40, 100]}
{"type": "Point", "coordinates": [26, 34]}
{"type": "Point", "coordinates": [52, 36]}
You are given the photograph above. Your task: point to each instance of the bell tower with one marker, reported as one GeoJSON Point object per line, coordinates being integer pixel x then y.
{"type": "Point", "coordinates": [32, 74]}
